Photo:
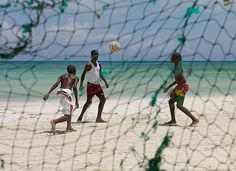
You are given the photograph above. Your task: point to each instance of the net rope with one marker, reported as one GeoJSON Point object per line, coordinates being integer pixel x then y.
{"type": "Point", "coordinates": [36, 33]}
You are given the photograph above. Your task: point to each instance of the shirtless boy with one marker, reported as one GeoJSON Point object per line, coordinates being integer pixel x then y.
{"type": "Point", "coordinates": [67, 82]}
{"type": "Point", "coordinates": [178, 93]}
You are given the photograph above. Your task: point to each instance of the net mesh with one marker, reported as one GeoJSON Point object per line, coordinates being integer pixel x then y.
{"type": "Point", "coordinates": [34, 34]}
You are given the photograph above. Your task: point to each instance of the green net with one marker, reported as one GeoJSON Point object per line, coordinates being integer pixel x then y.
{"type": "Point", "coordinates": [39, 38]}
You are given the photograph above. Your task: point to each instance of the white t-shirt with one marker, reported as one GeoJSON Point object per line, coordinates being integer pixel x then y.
{"type": "Point", "coordinates": [93, 74]}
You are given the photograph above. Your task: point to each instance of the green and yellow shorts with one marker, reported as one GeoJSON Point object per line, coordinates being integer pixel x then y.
{"type": "Point", "coordinates": [179, 93]}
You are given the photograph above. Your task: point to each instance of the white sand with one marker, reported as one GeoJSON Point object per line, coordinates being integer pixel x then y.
{"type": "Point", "coordinates": [27, 144]}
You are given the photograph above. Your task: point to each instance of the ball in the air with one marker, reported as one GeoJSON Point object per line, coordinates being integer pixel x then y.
{"type": "Point", "coordinates": [114, 47]}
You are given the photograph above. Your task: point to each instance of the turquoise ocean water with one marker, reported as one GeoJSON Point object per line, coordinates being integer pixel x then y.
{"type": "Point", "coordinates": [31, 80]}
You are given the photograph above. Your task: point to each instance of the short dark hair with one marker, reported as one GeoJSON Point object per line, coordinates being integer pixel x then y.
{"type": "Point", "coordinates": [178, 55]}
{"type": "Point", "coordinates": [71, 69]}
{"type": "Point", "coordinates": [94, 52]}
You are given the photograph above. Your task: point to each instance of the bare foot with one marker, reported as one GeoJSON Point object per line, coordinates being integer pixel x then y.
{"type": "Point", "coordinates": [194, 123]}
{"type": "Point", "coordinates": [70, 130]}
{"type": "Point", "coordinates": [170, 123]}
{"type": "Point", "coordinates": [100, 121]}
{"type": "Point", "coordinates": [53, 126]}
{"type": "Point", "coordinates": [79, 121]}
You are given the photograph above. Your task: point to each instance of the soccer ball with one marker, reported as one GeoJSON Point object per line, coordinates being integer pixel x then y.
{"type": "Point", "coordinates": [114, 47]}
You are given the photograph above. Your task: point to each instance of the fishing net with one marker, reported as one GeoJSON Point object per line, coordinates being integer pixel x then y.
{"type": "Point", "coordinates": [39, 38]}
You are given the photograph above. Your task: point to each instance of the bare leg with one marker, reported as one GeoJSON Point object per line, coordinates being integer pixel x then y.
{"type": "Point", "coordinates": [53, 125]}
{"type": "Point", "coordinates": [100, 109]}
{"type": "Point", "coordinates": [86, 105]}
{"type": "Point", "coordinates": [61, 119]}
{"type": "Point", "coordinates": [56, 121]}
{"type": "Point", "coordinates": [172, 112]}
{"type": "Point", "coordinates": [188, 113]}
{"type": "Point", "coordinates": [69, 127]}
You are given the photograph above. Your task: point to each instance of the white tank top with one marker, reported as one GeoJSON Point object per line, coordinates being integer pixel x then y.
{"type": "Point", "coordinates": [93, 74]}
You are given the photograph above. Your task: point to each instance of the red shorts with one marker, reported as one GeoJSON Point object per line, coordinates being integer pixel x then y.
{"type": "Point", "coordinates": [94, 89]}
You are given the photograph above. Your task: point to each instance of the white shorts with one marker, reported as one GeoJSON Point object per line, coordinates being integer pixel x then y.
{"type": "Point", "coordinates": [66, 101]}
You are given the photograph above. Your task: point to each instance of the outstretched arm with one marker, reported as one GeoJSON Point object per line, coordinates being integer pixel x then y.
{"type": "Point", "coordinates": [82, 79]}
{"type": "Point", "coordinates": [76, 93]}
{"type": "Point", "coordinates": [52, 88]}
{"type": "Point", "coordinates": [87, 67]}
{"type": "Point", "coordinates": [171, 85]}
{"type": "Point", "coordinates": [102, 77]}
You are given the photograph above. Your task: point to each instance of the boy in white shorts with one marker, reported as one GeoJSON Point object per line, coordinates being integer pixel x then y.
{"type": "Point", "coordinates": [68, 82]}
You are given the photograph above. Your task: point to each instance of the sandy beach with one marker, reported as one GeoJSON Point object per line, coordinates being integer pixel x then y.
{"type": "Point", "coordinates": [160, 44]}
{"type": "Point", "coordinates": [28, 144]}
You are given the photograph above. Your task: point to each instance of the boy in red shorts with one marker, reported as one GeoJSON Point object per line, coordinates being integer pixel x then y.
{"type": "Point", "coordinates": [178, 94]}
{"type": "Point", "coordinates": [93, 71]}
